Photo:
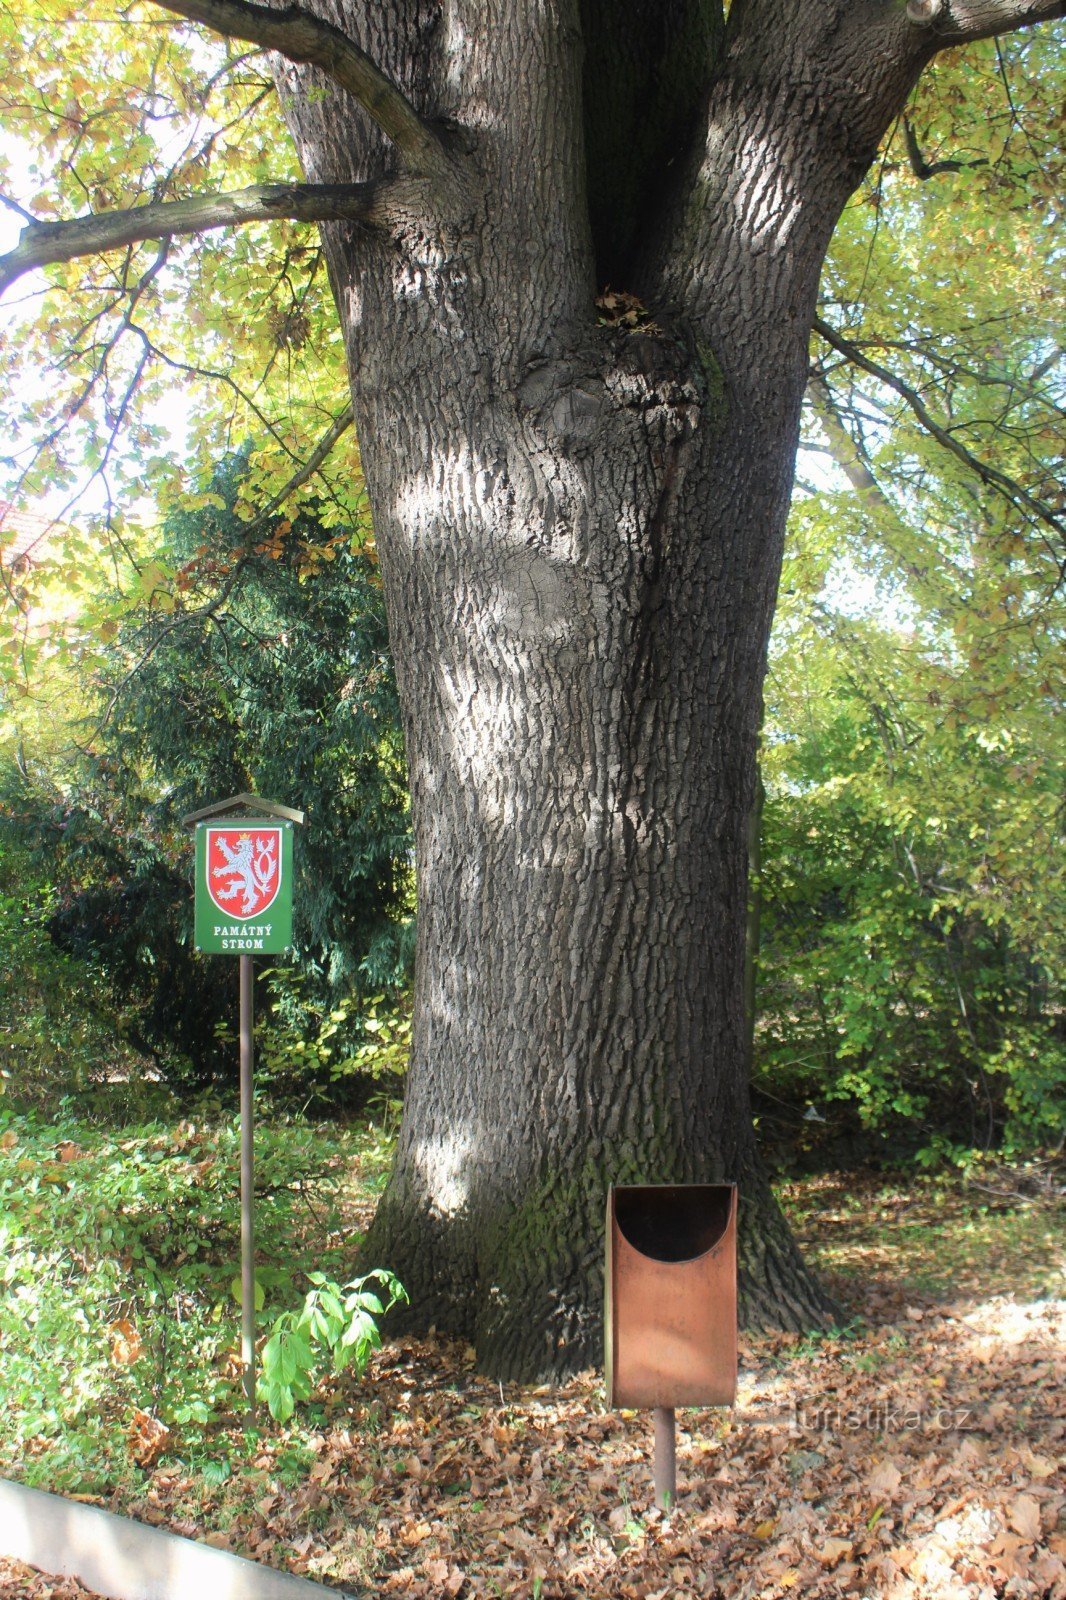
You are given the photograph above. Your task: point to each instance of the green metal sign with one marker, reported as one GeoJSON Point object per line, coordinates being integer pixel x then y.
{"type": "Point", "coordinates": [243, 886]}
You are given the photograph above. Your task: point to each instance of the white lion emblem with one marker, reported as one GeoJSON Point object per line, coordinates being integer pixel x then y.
{"type": "Point", "coordinates": [249, 871]}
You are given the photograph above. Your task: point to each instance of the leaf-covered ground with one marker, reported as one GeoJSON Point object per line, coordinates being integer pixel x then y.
{"type": "Point", "coordinates": [917, 1452]}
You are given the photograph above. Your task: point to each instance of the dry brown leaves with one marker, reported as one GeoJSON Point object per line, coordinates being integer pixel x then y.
{"type": "Point", "coordinates": [616, 309]}
{"type": "Point", "coordinates": [147, 1438]}
{"type": "Point", "coordinates": [917, 1459]}
{"type": "Point", "coordinates": [125, 1343]}
{"type": "Point", "coordinates": [28, 1584]}
{"type": "Point", "coordinates": [920, 1458]}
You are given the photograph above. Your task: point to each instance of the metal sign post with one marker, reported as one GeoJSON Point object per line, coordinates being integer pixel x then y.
{"type": "Point", "coordinates": [243, 907]}
{"type": "Point", "coordinates": [247, 1186]}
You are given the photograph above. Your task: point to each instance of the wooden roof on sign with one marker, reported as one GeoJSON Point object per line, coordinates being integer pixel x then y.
{"type": "Point", "coordinates": [250, 805]}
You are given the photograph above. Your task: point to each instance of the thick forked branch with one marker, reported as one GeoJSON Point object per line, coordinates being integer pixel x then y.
{"type": "Point", "coordinates": [768, 173]}
{"type": "Point", "coordinates": [1006, 486]}
{"type": "Point", "coordinates": [299, 36]}
{"type": "Point", "coordinates": [961, 21]}
{"type": "Point", "coordinates": [44, 242]}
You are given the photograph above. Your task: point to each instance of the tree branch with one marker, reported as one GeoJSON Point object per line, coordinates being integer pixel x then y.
{"type": "Point", "coordinates": [843, 449]}
{"type": "Point", "coordinates": [301, 37]}
{"type": "Point", "coordinates": [44, 242]}
{"type": "Point", "coordinates": [339, 426]}
{"type": "Point", "coordinates": [1006, 486]}
{"type": "Point", "coordinates": [960, 21]}
{"type": "Point", "coordinates": [924, 169]}
{"type": "Point", "coordinates": [851, 458]}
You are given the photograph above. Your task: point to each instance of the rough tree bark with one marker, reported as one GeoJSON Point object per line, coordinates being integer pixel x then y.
{"type": "Point", "coordinates": [580, 529]}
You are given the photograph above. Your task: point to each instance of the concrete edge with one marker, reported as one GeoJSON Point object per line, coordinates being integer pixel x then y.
{"type": "Point", "coordinates": [128, 1560]}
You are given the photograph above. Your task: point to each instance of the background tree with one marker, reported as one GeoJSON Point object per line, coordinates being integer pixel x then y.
{"type": "Point", "coordinates": [273, 676]}
{"type": "Point", "coordinates": [912, 851]}
{"type": "Point", "coordinates": [580, 522]}
{"type": "Point", "coordinates": [911, 898]}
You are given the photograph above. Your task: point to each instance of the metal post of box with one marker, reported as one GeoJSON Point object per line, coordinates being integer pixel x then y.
{"type": "Point", "coordinates": [671, 1313]}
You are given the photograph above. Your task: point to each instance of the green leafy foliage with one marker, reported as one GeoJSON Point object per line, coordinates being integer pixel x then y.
{"type": "Point", "coordinates": [269, 672]}
{"type": "Point", "coordinates": [225, 336]}
{"type": "Point", "coordinates": [912, 930]}
{"type": "Point", "coordinates": [912, 882]}
{"type": "Point", "coordinates": [337, 1325]}
{"type": "Point", "coordinates": [365, 1039]}
{"type": "Point", "coordinates": [57, 1015]}
{"type": "Point", "coordinates": [117, 1253]}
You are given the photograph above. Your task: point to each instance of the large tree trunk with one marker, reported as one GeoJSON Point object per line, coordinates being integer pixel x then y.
{"type": "Point", "coordinates": [584, 664]}
{"type": "Point", "coordinates": [580, 577]}
{"type": "Point", "coordinates": [580, 601]}
{"type": "Point", "coordinates": [580, 532]}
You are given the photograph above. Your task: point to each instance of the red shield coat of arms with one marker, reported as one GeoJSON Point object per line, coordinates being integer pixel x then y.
{"type": "Point", "coordinates": [243, 869]}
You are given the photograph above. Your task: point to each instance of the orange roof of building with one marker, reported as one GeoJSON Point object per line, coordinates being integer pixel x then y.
{"type": "Point", "coordinates": [25, 536]}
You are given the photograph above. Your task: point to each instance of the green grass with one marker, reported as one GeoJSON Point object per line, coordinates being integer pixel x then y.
{"type": "Point", "coordinates": [994, 1232]}
{"type": "Point", "coordinates": [119, 1251]}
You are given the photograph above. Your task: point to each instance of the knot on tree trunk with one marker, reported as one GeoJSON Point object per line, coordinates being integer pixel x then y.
{"type": "Point", "coordinates": [923, 12]}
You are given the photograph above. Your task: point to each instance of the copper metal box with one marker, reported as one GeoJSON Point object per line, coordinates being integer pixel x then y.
{"type": "Point", "coordinates": [671, 1314]}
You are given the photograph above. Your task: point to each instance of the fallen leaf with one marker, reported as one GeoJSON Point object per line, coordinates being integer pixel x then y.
{"type": "Point", "coordinates": [885, 1478]}
{"type": "Point", "coordinates": [402, 1579]}
{"type": "Point", "coordinates": [125, 1343]}
{"type": "Point", "coordinates": [1049, 1572]}
{"type": "Point", "coordinates": [1025, 1517]}
{"type": "Point", "coordinates": [415, 1532]}
{"type": "Point", "coordinates": [834, 1551]}
{"type": "Point", "coordinates": [1009, 1558]}
{"type": "Point", "coordinates": [147, 1438]}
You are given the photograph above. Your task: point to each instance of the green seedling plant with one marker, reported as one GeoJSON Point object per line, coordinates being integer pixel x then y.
{"type": "Point", "coordinates": [337, 1326]}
